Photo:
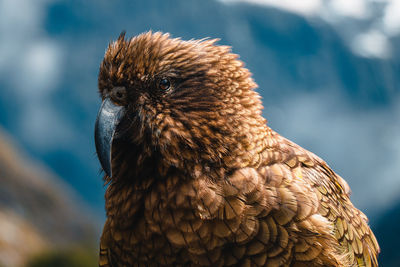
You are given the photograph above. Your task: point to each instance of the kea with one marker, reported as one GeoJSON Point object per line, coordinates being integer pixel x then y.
{"type": "Point", "coordinates": [194, 175]}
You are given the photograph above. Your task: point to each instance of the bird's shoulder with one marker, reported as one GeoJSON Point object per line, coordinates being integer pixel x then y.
{"type": "Point", "coordinates": [350, 225]}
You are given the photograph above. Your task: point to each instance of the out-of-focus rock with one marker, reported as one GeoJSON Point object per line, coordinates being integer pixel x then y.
{"type": "Point", "coordinates": [18, 239]}
{"type": "Point", "coordinates": [38, 212]}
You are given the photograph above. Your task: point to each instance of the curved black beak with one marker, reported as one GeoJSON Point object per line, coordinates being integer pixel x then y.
{"type": "Point", "coordinates": [108, 118]}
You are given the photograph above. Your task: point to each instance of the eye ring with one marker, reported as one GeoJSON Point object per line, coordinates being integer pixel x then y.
{"type": "Point", "coordinates": [119, 93]}
{"type": "Point", "coordinates": [164, 84]}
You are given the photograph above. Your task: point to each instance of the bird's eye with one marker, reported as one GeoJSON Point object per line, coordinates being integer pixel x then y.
{"type": "Point", "coordinates": [164, 84]}
{"type": "Point", "coordinates": [118, 93]}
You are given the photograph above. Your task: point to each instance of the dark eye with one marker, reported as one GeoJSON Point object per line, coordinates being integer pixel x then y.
{"type": "Point", "coordinates": [119, 93]}
{"type": "Point", "coordinates": [164, 84]}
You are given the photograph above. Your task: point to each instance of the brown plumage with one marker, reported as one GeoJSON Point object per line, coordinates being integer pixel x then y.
{"type": "Point", "coordinates": [199, 179]}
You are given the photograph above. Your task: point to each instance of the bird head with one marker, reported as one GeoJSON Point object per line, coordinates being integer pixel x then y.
{"type": "Point", "coordinates": [189, 101]}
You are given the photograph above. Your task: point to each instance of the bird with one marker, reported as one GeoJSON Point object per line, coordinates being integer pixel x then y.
{"type": "Point", "coordinates": [196, 177]}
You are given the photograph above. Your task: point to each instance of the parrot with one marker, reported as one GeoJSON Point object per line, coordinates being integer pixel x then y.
{"type": "Point", "coordinates": [196, 177]}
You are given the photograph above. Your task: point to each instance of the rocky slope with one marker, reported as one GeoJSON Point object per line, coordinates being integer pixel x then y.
{"type": "Point", "coordinates": [38, 212]}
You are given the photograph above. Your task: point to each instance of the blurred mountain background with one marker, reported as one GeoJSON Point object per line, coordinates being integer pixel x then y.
{"type": "Point", "coordinates": [38, 211]}
{"type": "Point", "coordinates": [328, 72]}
